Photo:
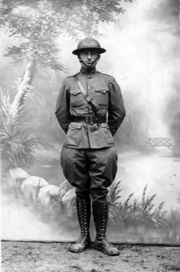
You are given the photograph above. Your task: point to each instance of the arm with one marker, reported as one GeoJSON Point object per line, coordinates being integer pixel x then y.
{"type": "Point", "coordinates": [116, 107]}
{"type": "Point", "coordinates": [62, 107]}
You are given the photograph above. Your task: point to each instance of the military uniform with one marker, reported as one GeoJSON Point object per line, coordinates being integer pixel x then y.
{"type": "Point", "coordinates": [89, 157]}
{"type": "Point", "coordinates": [93, 140]}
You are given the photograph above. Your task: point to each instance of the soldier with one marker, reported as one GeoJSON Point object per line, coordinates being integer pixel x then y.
{"type": "Point", "coordinates": [90, 110]}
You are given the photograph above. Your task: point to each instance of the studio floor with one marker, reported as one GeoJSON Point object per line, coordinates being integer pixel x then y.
{"type": "Point", "coordinates": [55, 257]}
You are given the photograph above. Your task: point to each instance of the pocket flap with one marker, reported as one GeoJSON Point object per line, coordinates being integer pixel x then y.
{"type": "Point", "coordinates": [74, 126]}
{"type": "Point", "coordinates": [75, 92]}
{"type": "Point", "coordinates": [102, 91]}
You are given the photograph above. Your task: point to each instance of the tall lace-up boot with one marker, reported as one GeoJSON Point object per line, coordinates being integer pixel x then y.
{"type": "Point", "coordinates": [84, 213]}
{"type": "Point", "coordinates": [100, 213]}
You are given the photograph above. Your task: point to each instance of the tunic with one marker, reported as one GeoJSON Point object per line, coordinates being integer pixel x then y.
{"type": "Point", "coordinates": [105, 94]}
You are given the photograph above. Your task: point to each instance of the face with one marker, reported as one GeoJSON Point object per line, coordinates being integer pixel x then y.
{"type": "Point", "coordinates": [89, 57]}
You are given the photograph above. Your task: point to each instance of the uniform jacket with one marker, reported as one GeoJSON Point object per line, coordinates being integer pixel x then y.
{"type": "Point", "coordinates": [105, 94]}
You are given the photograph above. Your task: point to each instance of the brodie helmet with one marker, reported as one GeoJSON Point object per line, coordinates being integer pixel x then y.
{"type": "Point", "coordinates": [88, 43]}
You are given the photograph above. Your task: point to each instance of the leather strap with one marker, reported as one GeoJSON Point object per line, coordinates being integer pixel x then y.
{"type": "Point", "coordinates": [86, 97]}
{"type": "Point", "coordinates": [83, 91]}
{"type": "Point", "coordinates": [89, 119]}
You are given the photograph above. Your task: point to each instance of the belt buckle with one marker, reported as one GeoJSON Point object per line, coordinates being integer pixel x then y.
{"type": "Point", "coordinates": [89, 119]}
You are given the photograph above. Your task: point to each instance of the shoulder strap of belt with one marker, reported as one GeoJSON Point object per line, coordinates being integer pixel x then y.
{"type": "Point", "coordinates": [85, 94]}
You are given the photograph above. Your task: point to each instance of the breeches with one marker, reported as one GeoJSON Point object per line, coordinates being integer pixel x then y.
{"type": "Point", "coordinates": [91, 171]}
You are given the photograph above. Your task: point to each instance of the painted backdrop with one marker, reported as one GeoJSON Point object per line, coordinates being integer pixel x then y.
{"type": "Point", "coordinates": [142, 43]}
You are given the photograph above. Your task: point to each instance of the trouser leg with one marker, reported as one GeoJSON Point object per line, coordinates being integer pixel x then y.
{"type": "Point", "coordinates": [102, 172]}
{"type": "Point", "coordinates": [103, 169]}
{"type": "Point", "coordinates": [75, 168]}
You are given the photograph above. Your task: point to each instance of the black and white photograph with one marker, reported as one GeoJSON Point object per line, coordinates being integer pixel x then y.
{"type": "Point", "coordinates": [90, 135]}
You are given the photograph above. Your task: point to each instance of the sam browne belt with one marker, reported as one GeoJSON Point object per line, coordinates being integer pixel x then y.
{"type": "Point", "coordinates": [89, 119]}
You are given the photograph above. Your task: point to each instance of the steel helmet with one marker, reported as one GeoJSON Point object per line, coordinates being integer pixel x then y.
{"type": "Point", "coordinates": [88, 43]}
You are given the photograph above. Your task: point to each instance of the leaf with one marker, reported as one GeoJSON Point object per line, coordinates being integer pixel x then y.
{"type": "Point", "coordinates": [17, 143]}
{"type": "Point", "coordinates": [37, 24]}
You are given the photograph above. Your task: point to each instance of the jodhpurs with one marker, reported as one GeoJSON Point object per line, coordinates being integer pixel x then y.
{"type": "Point", "coordinates": [91, 171]}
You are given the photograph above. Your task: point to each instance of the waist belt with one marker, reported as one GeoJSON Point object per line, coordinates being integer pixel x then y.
{"type": "Point", "coordinates": [89, 119]}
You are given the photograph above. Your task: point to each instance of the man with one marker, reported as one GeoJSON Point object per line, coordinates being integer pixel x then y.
{"type": "Point", "coordinates": [90, 110]}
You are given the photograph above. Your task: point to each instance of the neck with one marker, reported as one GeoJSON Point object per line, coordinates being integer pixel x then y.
{"type": "Point", "coordinates": [88, 70]}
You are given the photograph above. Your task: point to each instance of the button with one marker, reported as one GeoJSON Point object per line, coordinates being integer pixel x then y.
{"type": "Point", "coordinates": [89, 88]}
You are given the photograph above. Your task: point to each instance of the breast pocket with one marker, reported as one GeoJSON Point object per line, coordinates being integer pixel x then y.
{"type": "Point", "coordinates": [76, 98]}
{"type": "Point", "coordinates": [102, 97]}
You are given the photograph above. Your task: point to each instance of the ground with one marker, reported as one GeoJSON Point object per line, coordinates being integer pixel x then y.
{"type": "Point", "coordinates": [55, 257]}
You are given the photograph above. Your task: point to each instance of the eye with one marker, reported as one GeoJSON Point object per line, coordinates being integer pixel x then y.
{"type": "Point", "coordinates": [84, 53]}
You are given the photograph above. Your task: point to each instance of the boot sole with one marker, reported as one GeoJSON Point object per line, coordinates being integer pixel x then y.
{"type": "Point", "coordinates": [104, 251]}
{"type": "Point", "coordinates": [80, 250]}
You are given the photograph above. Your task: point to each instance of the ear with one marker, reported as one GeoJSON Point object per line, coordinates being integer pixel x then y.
{"type": "Point", "coordinates": [78, 56]}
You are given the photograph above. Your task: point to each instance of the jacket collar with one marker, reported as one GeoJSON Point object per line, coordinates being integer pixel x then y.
{"type": "Point", "coordinates": [86, 71]}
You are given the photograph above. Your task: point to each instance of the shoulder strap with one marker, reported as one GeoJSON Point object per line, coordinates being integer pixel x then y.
{"type": "Point", "coordinates": [85, 94]}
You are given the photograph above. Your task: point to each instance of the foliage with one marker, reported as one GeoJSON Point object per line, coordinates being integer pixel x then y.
{"type": "Point", "coordinates": [77, 11]}
{"type": "Point", "coordinates": [37, 24]}
{"type": "Point", "coordinates": [91, 13]}
{"type": "Point", "coordinates": [132, 211]}
{"type": "Point", "coordinates": [17, 142]}
{"type": "Point", "coordinates": [35, 32]}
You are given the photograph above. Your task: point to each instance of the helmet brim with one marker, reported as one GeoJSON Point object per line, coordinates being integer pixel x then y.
{"type": "Point", "coordinates": [99, 50]}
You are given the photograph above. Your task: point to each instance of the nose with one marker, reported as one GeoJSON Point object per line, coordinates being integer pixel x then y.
{"type": "Point", "coordinates": [89, 55]}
